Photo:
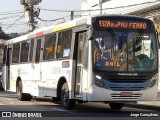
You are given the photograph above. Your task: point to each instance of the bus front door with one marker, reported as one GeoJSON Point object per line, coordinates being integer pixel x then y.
{"type": "Point", "coordinates": [8, 61]}
{"type": "Point", "coordinates": [37, 72]}
{"type": "Point", "coordinates": [79, 47]}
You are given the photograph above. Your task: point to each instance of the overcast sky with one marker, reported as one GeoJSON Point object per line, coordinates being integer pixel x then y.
{"type": "Point", "coordinates": [11, 5]}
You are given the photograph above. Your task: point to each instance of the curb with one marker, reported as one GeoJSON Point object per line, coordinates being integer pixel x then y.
{"type": "Point", "coordinates": [143, 106]}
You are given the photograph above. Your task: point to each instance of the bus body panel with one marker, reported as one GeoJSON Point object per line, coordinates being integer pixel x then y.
{"type": "Point", "coordinates": [101, 94]}
{"type": "Point", "coordinates": [46, 84]}
{"type": "Point", "coordinates": [4, 77]}
{"type": "Point", "coordinates": [84, 84]}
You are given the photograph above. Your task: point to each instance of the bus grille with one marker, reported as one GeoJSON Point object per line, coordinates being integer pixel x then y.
{"type": "Point", "coordinates": [118, 96]}
{"type": "Point", "coordinates": [137, 79]}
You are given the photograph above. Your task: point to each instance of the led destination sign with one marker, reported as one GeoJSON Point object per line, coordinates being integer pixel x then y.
{"type": "Point", "coordinates": [122, 24]}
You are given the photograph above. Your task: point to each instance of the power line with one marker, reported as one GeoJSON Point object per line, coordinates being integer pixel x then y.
{"type": "Point", "coordinates": [13, 23]}
{"type": "Point", "coordinates": [10, 13]}
{"type": "Point", "coordinates": [52, 20]}
{"type": "Point", "coordinates": [9, 17]}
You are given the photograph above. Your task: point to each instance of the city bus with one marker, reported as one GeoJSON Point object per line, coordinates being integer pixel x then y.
{"type": "Point", "coordinates": [105, 58]}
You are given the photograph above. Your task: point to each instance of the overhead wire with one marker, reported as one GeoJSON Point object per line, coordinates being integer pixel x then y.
{"type": "Point", "coordinates": [13, 23]}
{"type": "Point", "coordinates": [10, 13]}
{"type": "Point", "coordinates": [52, 20]}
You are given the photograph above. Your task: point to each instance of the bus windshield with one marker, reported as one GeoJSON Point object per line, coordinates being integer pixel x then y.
{"type": "Point", "coordinates": [124, 51]}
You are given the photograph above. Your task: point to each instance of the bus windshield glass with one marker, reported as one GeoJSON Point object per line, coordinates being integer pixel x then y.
{"type": "Point", "coordinates": [115, 50]}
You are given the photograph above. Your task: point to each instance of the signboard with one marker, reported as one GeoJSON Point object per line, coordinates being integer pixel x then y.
{"type": "Point", "coordinates": [122, 24]}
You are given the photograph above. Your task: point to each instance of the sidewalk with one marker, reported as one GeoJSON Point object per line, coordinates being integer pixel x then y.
{"type": "Point", "coordinates": [150, 105]}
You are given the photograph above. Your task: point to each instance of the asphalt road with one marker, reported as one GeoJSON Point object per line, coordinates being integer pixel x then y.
{"type": "Point", "coordinates": [46, 108]}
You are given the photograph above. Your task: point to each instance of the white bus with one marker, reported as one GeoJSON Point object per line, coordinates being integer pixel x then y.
{"type": "Point", "coordinates": [107, 58]}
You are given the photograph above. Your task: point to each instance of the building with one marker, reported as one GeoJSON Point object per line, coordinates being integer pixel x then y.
{"type": "Point", "coordinates": [119, 6]}
{"type": "Point", "coordinates": [145, 8]}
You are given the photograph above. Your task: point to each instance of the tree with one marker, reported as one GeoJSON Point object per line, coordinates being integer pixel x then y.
{"type": "Point", "coordinates": [3, 35]}
{"type": "Point", "coordinates": [13, 35]}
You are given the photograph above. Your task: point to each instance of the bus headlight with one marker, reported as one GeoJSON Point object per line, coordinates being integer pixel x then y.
{"type": "Point", "coordinates": [98, 81]}
{"type": "Point", "coordinates": [153, 81]}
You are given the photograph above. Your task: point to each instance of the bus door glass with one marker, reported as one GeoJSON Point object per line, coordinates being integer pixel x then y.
{"type": "Point", "coordinates": [8, 62]}
{"type": "Point", "coordinates": [37, 59]}
{"type": "Point", "coordinates": [79, 44]}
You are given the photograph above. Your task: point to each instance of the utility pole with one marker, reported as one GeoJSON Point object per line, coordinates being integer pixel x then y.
{"type": "Point", "coordinates": [72, 15]}
{"type": "Point", "coordinates": [29, 6]}
{"type": "Point", "coordinates": [31, 18]}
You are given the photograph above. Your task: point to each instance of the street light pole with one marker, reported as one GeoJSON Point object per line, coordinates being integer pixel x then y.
{"type": "Point", "coordinates": [100, 5]}
{"type": "Point", "coordinates": [72, 15]}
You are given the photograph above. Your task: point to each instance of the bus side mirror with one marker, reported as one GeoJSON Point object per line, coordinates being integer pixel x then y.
{"type": "Point", "coordinates": [90, 33]}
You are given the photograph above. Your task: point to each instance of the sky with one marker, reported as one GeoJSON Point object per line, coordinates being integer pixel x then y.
{"type": "Point", "coordinates": [14, 6]}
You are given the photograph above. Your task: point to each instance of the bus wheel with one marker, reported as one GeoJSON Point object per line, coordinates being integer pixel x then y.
{"type": "Point", "coordinates": [55, 99]}
{"type": "Point", "coordinates": [66, 102]}
{"type": "Point", "coordinates": [22, 96]}
{"type": "Point", "coordinates": [116, 106]}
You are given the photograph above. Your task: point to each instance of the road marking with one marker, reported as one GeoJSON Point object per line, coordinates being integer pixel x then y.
{"type": "Point", "coordinates": [62, 110]}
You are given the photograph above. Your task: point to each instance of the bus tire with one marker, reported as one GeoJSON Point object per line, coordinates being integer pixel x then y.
{"type": "Point", "coordinates": [55, 99]}
{"type": "Point", "coordinates": [20, 95]}
{"type": "Point", "coordinates": [116, 106]}
{"type": "Point", "coordinates": [66, 102]}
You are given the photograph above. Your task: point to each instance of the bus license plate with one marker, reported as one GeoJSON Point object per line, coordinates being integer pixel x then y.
{"type": "Point", "coordinates": [126, 93]}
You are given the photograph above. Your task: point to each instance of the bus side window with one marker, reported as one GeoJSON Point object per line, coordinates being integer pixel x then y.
{"type": "Point", "coordinates": [38, 51]}
{"type": "Point", "coordinates": [67, 36]}
{"type": "Point", "coordinates": [24, 51]}
{"type": "Point", "coordinates": [64, 44]}
{"type": "Point", "coordinates": [15, 53]}
{"type": "Point", "coordinates": [31, 50]}
{"type": "Point", "coordinates": [49, 47]}
{"type": "Point", "coordinates": [59, 45]}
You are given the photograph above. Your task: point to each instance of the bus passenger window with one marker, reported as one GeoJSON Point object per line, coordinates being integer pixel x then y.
{"type": "Point", "coordinates": [24, 51]}
{"type": "Point", "coordinates": [49, 47]}
{"type": "Point", "coordinates": [38, 51]}
{"type": "Point", "coordinates": [31, 50]}
{"type": "Point", "coordinates": [15, 53]}
{"type": "Point", "coordinates": [64, 44]}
